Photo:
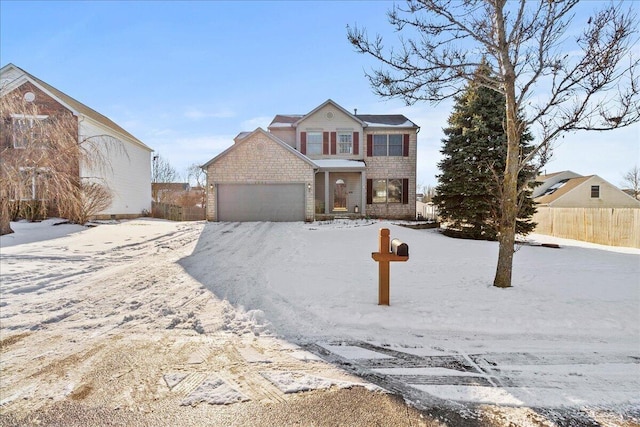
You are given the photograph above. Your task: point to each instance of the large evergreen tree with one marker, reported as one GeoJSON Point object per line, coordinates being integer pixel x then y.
{"type": "Point", "coordinates": [474, 150]}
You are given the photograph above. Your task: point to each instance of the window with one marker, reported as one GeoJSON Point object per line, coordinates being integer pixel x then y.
{"type": "Point", "coordinates": [314, 143]}
{"type": "Point", "coordinates": [387, 191]}
{"type": "Point", "coordinates": [33, 183]}
{"type": "Point", "coordinates": [345, 142]}
{"type": "Point", "coordinates": [595, 191]}
{"type": "Point", "coordinates": [388, 145]}
{"type": "Point", "coordinates": [395, 145]}
{"type": "Point", "coordinates": [27, 130]}
{"type": "Point", "coordinates": [379, 145]}
{"type": "Point", "coordinates": [380, 191]}
{"type": "Point", "coordinates": [394, 191]}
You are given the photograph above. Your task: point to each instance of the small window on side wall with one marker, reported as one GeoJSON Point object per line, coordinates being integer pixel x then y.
{"type": "Point", "coordinates": [595, 191]}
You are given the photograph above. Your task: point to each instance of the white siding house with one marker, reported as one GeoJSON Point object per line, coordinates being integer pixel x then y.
{"type": "Point", "coordinates": [127, 173]}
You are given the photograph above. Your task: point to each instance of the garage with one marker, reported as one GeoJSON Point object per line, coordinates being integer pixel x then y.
{"type": "Point", "coordinates": [261, 202]}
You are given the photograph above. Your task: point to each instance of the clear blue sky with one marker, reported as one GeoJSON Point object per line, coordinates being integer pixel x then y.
{"type": "Point", "coordinates": [186, 77]}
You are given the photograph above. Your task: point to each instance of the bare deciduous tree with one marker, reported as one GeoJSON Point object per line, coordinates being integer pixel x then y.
{"type": "Point", "coordinates": [197, 175]}
{"type": "Point", "coordinates": [561, 87]}
{"type": "Point", "coordinates": [631, 180]}
{"type": "Point", "coordinates": [428, 191]}
{"type": "Point", "coordinates": [40, 163]}
{"type": "Point", "coordinates": [161, 172]}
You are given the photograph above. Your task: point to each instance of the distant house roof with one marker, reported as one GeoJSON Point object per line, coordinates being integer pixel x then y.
{"type": "Point", "coordinates": [561, 188]}
{"type": "Point", "coordinates": [170, 186]}
{"type": "Point", "coordinates": [542, 178]}
{"type": "Point", "coordinates": [77, 106]}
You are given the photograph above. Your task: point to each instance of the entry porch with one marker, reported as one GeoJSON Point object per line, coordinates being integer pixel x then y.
{"type": "Point", "coordinates": [340, 189]}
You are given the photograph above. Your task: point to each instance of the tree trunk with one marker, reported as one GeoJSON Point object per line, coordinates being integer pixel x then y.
{"type": "Point", "coordinates": [509, 196]}
{"type": "Point", "coordinates": [5, 221]}
{"type": "Point", "coordinates": [509, 202]}
{"type": "Point", "coordinates": [507, 226]}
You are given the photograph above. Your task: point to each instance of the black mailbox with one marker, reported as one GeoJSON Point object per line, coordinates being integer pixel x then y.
{"type": "Point", "coordinates": [399, 248]}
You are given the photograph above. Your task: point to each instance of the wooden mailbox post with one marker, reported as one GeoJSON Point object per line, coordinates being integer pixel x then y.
{"type": "Point", "coordinates": [387, 251]}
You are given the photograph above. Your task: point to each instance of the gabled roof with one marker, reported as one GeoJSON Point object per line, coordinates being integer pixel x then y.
{"type": "Point", "coordinates": [324, 104]}
{"type": "Point", "coordinates": [365, 120]}
{"type": "Point", "coordinates": [72, 104]}
{"type": "Point", "coordinates": [275, 139]}
{"type": "Point", "coordinates": [569, 185]}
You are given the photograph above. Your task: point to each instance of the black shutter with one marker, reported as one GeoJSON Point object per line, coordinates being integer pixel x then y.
{"type": "Point", "coordinates": [405, 191]}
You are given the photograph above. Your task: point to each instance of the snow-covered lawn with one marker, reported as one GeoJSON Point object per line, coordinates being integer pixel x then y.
{"type": "Point", "coordinates": [319, 280]}
{"type": "Point", "coordinates": [566, 335]}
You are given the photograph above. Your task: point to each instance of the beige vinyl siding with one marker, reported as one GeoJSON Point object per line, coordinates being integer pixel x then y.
{"type": "Point", "coordinates": [610, 196]}
{"type": "Point", "coordinates": [287, 135]}
{"type": "Point", "coordinates": [340, 122]}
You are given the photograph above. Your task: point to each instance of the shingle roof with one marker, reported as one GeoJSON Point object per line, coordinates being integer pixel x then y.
{"type": "Point", "coordinates": [542, 178]}
{"type": "Point", "coordinates": [81, 108]}
{"type": "Point", "coordinates": [568, 186]}
{"type": "Point", "coordinates": [386, 120]}
{"type": "Point", "coordinates": [382, 120]}
{"type": "Point", "coordinates": [285, 119]}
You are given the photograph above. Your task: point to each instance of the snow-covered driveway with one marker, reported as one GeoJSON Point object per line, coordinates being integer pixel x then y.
{"type": "Point", "coordinates": [150, 314]}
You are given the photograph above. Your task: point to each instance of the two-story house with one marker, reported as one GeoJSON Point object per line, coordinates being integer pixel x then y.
{"type": "Point", "coordinates": [326, 163]}
{"type": "Point", "coordinates": [126, 168]}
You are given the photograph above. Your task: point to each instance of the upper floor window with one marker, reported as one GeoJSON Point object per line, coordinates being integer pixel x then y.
{"type": "Point", "coordinates": [314, 143]}
{"type": "Point", "coordinates": [345, 142]}
{"type": "Point", "coordinates": [595, 191]}
{"type": "Point", "coordinates": [28, 131]}
{"type": "Point", "coordinates": [387, 145]}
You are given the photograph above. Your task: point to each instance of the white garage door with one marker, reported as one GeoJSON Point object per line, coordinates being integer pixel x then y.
{"type": "Point", "coordinates": [260, 202]}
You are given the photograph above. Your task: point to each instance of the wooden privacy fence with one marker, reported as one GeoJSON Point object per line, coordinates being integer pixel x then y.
{"type": "Point", "coordinates": [177, 213]}
{"type": "Point", "coordinates": [605, 226]}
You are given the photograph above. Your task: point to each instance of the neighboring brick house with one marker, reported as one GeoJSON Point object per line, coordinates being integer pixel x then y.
{"type": "Point", "coordinates": [322, 164]}
{"type": "Point", "coordinates": [128, 173]}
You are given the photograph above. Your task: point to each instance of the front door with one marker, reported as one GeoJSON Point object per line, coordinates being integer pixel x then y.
{"type": "Point", "coordinates": [340, 196]}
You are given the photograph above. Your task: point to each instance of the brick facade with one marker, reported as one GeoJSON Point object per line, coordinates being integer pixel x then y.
{"type": "Point", "coordinates": [44, 105]}
{"type": "Point", "coordinates": [393, 167]}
